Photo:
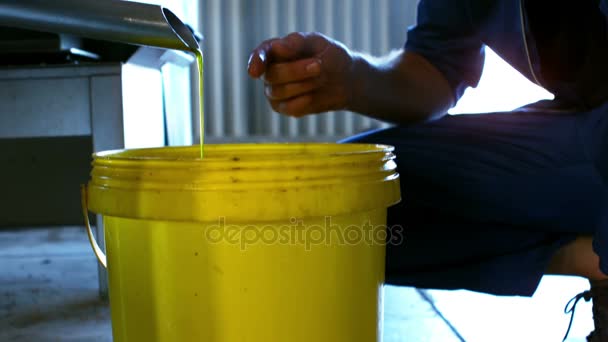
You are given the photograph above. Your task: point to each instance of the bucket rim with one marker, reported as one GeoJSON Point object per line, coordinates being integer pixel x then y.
{"type": "Point", "coordinates": [168, 153]}
{"type": "Point", "coordinates": [300, 179]}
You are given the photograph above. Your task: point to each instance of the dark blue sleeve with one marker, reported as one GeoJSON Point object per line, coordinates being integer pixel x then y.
{"type": "Point", "coordinates": [604, 6]}
{"type": "Point", "coordinates": [444, 35]}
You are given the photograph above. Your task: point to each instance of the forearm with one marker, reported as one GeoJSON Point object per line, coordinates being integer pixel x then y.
{"type": "Point", "coordinates": [402, 88]}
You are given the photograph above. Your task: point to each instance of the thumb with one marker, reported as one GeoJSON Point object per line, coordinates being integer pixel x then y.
{"type": "Point", "coordinates": [307, 44]}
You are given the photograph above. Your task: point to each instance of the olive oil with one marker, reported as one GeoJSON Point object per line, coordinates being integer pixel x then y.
{"type": "Point", "coordinates": [201, 96]}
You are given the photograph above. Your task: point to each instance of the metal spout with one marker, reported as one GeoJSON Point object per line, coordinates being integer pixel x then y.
{"type": "Point", "coordinates": [111, 20]}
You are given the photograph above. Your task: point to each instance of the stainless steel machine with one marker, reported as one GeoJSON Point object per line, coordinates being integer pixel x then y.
{"type": "Point", "coordinates": [76, 79]}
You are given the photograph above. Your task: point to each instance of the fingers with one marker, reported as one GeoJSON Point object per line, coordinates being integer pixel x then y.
{"type": "Point", "coordinates": [258, 59]}
{"type": "Point", "coordinates": [292, 71]}
{"type": "Point", "coordinates": [286, 91]}
{"type": "Point", "coordinates": [270, 51]}
{"type": "Point", "coordinates": [296, 107]}
{"type": "Point", "coordinates": [299, 106]}
{"type": "Point", "coordinates": [297, 71]}
{"type": "Point", "coordinates": [280, 50]}
{"type": "Point", "coordinates": [256, 65]}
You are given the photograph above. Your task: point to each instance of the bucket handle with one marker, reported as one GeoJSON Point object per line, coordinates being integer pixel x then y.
{"type": "Point", "coordinates": [84, 200]}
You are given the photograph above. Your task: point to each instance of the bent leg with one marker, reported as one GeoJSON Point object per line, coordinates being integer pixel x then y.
{"type": "Point", "coordinates": [489, 199]}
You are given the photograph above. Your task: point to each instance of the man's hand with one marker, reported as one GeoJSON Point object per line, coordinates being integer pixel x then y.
{"type": "Point", "coordinates": [304, 73]}
{"type": "Point", "coordinates": [311, 73]}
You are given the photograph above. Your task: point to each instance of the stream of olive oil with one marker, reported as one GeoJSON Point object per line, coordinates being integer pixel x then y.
{"type": "Point", "coordinates": [201, 96]}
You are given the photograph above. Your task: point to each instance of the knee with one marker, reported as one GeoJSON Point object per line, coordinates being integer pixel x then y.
{"type": "Point", "coordinates": [577, 258]}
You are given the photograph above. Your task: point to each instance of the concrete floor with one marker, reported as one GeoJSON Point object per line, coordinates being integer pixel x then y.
{"type": "Point", "coordinates": [48, 292]}
{"type": "Point", "coordinates": [48, 288]}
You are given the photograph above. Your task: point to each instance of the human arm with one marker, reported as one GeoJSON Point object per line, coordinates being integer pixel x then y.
{"type": "Point", "coordinates": [310, 73]}
{"type": "Point", "coordinates": [402, 87]}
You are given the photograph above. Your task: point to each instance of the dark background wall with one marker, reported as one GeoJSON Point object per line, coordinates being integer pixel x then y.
{"type": "Point", "coordinates": [40, 179]}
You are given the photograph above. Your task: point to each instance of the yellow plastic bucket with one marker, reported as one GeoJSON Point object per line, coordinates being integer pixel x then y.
{"type": "Point", "coordinates": [257, 242]}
